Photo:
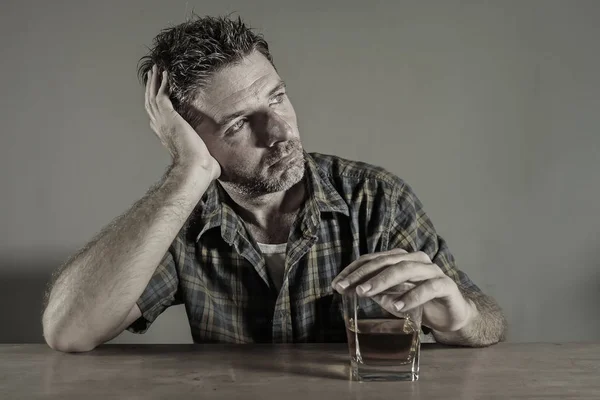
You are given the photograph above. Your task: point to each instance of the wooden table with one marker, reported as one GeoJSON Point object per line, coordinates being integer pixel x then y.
{"type": "Point", "coordinates": [286, 372]}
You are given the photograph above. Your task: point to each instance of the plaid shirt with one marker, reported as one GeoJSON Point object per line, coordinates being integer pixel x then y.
{"type": "Point", "coordinates": [217, 270]}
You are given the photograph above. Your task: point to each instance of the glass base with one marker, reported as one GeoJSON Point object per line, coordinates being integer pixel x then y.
{"type": "Point", "coordinates": [385, 373]}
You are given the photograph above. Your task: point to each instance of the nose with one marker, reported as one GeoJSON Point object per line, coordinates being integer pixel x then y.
{"type": "Point", "coordinates": [272, 128]}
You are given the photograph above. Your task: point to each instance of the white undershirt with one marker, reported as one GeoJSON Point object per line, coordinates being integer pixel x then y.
{"type": "Point", "coordinates": [275, 260]}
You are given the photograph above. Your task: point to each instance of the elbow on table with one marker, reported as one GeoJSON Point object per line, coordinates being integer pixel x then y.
{"type": "Point", "coordinates": [67, 343]}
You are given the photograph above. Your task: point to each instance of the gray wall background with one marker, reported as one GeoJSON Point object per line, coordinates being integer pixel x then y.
{"type": "Point", "coordinates": [489, 109]}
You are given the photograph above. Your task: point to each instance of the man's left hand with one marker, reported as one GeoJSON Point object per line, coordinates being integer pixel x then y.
{"type": "Point", "coordinates": [444, 307]}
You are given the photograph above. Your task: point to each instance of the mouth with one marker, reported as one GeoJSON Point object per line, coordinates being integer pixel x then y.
{"type": "Point", "coordinates": [289, 157]}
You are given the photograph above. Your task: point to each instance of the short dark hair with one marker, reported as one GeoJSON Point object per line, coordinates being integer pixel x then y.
{"type": "Point", "coordinates": [194, 50]}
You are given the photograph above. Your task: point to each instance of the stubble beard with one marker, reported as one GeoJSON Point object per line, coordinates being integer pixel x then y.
{"type": "Point", "coordinates": [271, 179]}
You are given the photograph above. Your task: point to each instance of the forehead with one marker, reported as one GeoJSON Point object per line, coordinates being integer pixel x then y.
{"type": "Point", "coordinates": [238, 85]}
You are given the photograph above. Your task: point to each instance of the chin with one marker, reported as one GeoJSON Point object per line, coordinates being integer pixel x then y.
{"type": "Point", "coordinates": [293, 172]}
{"type": "Point", "coordinates": [287, 180]}
{"type": "Point", "coordinates": [292, 177]}
{"type": "Point", "coordinates": [280, 179]}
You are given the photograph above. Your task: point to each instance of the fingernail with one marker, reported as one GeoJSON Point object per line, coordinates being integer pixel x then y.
{"type": "Point", "coordinates": [343, 284]}
{"type": "Point", "coordinates": [364, 288]}
{"type": "Point", "coordinates": [399, 306]}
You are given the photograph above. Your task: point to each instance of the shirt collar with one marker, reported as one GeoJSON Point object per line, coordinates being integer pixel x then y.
{"type": "Point", "coordinates": [321, 190]}
{"type": "Point", "coordinates": [322, 196]}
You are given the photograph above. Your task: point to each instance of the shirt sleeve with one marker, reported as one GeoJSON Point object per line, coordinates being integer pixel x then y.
{"type": "Point", "coordinates": [161, 291]}
{"type": "Point", "coordinates": [412, 230]}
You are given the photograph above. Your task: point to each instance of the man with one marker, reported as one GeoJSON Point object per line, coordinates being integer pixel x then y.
{"type": "Point", "coordinates": [256, 237]}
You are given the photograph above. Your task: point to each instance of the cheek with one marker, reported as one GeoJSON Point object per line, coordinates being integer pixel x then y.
{"type": "Point", "coordinates": [288, 114]}
{"type": "Point", "coordinates": [214, 146]}
{"type": "Point", "coordinates": [238, 157]}
{"type": "Point", "coordinates": [227, 154]}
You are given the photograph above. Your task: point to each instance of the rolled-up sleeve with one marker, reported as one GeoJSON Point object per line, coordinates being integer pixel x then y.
{"type": "Point", "coordinates": [161, 292]}
{"type": "Point", "coordinates": [412, 230]}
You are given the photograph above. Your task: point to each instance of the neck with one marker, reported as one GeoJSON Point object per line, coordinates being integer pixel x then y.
{"type": "Point", "coordinates": [269, 212]}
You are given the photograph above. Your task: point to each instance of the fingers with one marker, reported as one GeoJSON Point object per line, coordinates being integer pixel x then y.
{"type": "Point", "coordinates": [361, 261]}
{"type": "Point", "coordinates": [366, 270]}
{"type": "Point", "coordinates": [406, 270]}
{"type": "Point", "coordinates": [162, 97]}
{"type": "Point", "coordinates": [425, 292]}
{"type": "Point", "coordinates": [147, 95]}
{"type": "Point", "coordinates": [151, 105]}
{"type": "Point", "coordinates": [388, 303]}
{"type": "Point", "coordinates": [157, 94]}
{"type": "Point", "coordinates": [153, 83]}
{"type": "Point", "coordinates": [162, 90]}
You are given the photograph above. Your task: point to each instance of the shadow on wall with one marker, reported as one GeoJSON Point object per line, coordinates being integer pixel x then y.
{"type": "Point", "coordinates": [23, 283]}
{"type": "Point", "coordinates": [22, 286]}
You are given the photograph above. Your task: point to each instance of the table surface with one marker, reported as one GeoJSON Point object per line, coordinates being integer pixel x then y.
{"type": "Point", "coordinates": [299, 371]}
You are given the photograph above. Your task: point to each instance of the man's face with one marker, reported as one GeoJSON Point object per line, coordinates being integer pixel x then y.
{"type": "Point", "coordinates": [250, 128]}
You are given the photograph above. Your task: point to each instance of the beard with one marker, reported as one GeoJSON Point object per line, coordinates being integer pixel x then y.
{"type": "Point", "coordinates": [273, 175]}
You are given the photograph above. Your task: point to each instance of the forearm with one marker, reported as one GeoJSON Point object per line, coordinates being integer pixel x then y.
{"type": "Point", "coordinates": [487, 324]}
{"type": "Point", "coordinates": [94, 291]}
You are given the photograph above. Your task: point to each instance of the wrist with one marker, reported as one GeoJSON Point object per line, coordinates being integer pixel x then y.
{"type": "Point", "coordinates": [471, 312]}
{"type": "Point", "coordinates": [196, 170]}
{"type": "Point", "coordinates": [192, 179]}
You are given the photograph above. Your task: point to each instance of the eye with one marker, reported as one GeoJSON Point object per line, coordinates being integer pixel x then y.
{"type": "Point", "coordinates": [237, 126]}
{"type": "Point", "coordinates": [278, 98]}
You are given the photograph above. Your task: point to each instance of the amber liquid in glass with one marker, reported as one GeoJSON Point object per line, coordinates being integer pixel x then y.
{"type": "Point", "coordinates": [383, 341]}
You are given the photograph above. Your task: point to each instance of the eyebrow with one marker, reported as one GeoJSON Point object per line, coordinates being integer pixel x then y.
{"type": "Point", "coordinates": [280, 85]}
{"type": "Point", "coordinates": [231, 117]}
